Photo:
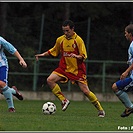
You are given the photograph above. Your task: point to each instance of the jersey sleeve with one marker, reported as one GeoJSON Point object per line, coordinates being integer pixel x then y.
{"type": "Point", "coordinates": [8, 46]}
{"type": "Point", "coordinates": [56, 49]}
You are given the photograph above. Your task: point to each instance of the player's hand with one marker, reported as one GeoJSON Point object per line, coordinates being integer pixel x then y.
{"type": "Point", "coordinates": [23, 63]}
{"type": "Point", "coordinates": [36, 56]}
{"type": "Point", "coordinates": [123, 75]}
{"type": "Point", "coordinates": [39, 55]}
{"type": "Point", "coordinates": [76, 56]}
{"type": "Point", "coordinates": [73, 55]}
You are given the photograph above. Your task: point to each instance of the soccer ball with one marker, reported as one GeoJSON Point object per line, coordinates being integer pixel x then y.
{"type": "Point", "coordinates": [49, 108]}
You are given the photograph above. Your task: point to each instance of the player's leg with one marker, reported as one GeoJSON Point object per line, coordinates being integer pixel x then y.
{"type": "Point", "coordinates": [120, 88]}
{"type": "Point", "coordinates": [51, 81]}
{"type": "Point", "coordinates": [5, 89]}
{"type": "Point", "coordinates": [93, 99]}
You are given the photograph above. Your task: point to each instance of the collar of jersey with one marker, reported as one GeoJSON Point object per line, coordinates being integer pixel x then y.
{"type": "Point", "coordinates": [72, 37]}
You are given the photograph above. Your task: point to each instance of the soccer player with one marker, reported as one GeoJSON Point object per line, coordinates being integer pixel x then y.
{"type": "Point", "coordinates": [125, 84]}
{"type": "Point", "coordinates": [4, 88]}
{"type": "Point", "coordinates": [71, 66]}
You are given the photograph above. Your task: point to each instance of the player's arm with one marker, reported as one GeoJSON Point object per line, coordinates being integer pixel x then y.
{"type": "Point", "coordinates": [82, 50]}
{"type": "Point", "coordinates": [51, 52]}
{"type": "Point", "coordinates": [41, 55]}
{"type": "Point", "coordinates": [125, 74]}
{"type": "Point", "coordinates": [80, 57]}
{"type": "Point", "coordinates": [21, 60]}
{"type": "Point", "coordinates": [12, 50]}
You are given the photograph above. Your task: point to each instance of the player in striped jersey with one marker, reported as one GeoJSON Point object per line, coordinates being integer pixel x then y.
{"type": "Point", "coordinates": [72, 67]}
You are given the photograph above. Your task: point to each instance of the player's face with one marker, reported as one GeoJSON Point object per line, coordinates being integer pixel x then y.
{"type": "Point", "coordinates": [128, 36]}
{"type": "Point", "coordinates": [67, 31]}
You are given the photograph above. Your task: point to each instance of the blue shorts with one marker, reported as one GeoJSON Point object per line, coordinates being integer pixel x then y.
{"type": "Point", "coordinates": [4, 74]}
{"type": "Point", "coordinates": [125, 85]}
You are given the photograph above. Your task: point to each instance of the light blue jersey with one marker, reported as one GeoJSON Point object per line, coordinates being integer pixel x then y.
{"type": "Point", "coordinates": [127, 83]}
{"type": "Point", "coordinates": [7, 46]}
{"type": "Point", "coordinates": [130, 58]}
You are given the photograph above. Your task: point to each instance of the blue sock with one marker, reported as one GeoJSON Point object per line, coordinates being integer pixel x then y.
{"type": "Point", "coordinates": [123, 96]}
{"type": "Point", "coordinates": [7, 92]}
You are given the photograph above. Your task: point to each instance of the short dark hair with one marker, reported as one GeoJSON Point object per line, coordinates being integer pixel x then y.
{"type": "Point", "coordinates": [129, 29]}
{"type": "Point", "coordinates": [68, 23]}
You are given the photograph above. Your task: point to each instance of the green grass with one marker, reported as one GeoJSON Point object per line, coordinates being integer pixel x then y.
{"type": "Point", "coordinates": [80, 116]}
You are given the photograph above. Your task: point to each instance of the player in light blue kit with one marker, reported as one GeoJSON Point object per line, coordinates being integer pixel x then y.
{"type": "Point", "coordinates": [125, 84]}
{"type": "Point", "coordinates": [4, 88]}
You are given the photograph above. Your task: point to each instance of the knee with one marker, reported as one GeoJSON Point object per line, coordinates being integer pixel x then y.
{"type": "Point", "coordinates": [48, 80]}
{"type": "Point", "coordinates": [114, 87]}
{"type": "Point", "coordinates": [2, 84]}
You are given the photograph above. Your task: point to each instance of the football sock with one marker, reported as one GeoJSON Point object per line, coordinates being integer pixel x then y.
{"type": "Point", "coordinates": [57, 92]}
{"type": "Point", "coordinates": [12, 90]}
{"type": "Point", "coordinates": [7, 92]}
{"type": "Point", "coordinates": [92, 97]}
{"type": "Point", "coordinates": [123, 96]}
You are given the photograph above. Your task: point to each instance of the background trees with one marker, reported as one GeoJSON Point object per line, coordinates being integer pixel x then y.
{"type": "Point", "coordinates": [20, 23]}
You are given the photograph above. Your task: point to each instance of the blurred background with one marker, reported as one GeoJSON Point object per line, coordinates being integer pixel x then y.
{"type": "Point", "coordinates": [32, 27]}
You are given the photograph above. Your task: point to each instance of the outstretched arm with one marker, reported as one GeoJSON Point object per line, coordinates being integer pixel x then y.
{"type": "Point", "coordinates": [40, 55]}
{"type": "Point", "coordinates": [21, 60]}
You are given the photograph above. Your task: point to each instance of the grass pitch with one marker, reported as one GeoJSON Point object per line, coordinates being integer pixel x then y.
{"type": "Point", "coordinates": [80, 116]}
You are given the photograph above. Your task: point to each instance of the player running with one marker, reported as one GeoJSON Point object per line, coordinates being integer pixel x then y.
{"type": "Point", "coordinates": [4, 88]}
{"type": "Point", "coordinates": [125, 84]}
{"type": "Point", "coordinates": [71, 66]}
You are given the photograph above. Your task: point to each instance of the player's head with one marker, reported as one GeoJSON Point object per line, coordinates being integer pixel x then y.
{"type": "Point", "coordinates": [129, 29]}
{"type": "Point", "coordinates": [129, 32]}
{"type": "Point", "coordinates": [68, 28]}
{"type": "Point", "coordinates": [68, 23]}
